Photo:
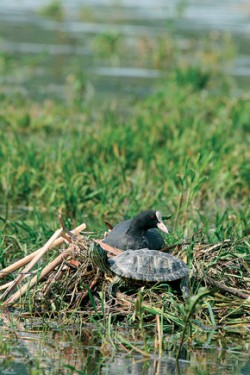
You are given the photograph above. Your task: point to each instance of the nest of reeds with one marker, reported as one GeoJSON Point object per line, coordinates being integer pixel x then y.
{"type": "Point", "coordinates": [71, 281]}
{"type": "Point", "coordinates": [67, 285]}
{"type": "Point", "coordinates": [61, 284]}
{"type": "Point", "coordinates": [220, 265]}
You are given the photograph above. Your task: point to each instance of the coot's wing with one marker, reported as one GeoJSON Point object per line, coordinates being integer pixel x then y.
{"type": "Point", "coordinates": [115, 238]}
{"type": "Point", "coordinates": [118, 238]}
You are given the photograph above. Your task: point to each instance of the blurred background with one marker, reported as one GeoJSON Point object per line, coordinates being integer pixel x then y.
{"type": "Point", "coordinates": [107, 48]}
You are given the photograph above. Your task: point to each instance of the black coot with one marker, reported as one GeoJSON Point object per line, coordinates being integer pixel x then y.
{"type": "Point", "coordinates": [138, 233]}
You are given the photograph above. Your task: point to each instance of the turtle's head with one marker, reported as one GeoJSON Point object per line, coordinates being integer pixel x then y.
{"type": "Point", "coordinates": [99, 257]}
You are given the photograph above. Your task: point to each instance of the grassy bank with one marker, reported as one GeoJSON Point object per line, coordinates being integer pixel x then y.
{"type": "Point", "coordinates": [184, 151]}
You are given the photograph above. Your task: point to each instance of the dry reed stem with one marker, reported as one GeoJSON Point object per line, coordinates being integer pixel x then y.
{"type": "Point", "coordinates": [56, 276]}
{"type": "Point", "coordinates": [5, 286]}
{"type": "Point", "coordinates": [226, 288]}
{"type": "Point", "coordinates": [22, 262]}
{"type": "Point", "coordinates": [36, 258]}
{"type": "Point", "coordinates": [36, 279]}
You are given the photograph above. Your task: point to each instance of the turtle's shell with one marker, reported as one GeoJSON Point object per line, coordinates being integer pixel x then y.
{"type": "Point", "coordinates": [148, 265]}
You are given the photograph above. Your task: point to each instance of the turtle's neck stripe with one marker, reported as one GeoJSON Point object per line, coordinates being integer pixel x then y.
{"type": "Point", "coordinates": [99, 258]}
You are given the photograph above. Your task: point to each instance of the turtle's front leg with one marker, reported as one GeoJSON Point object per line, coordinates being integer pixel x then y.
{"type": "Point", "coordinates": [114, 286]}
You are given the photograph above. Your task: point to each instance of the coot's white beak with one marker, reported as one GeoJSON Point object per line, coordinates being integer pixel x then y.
{"type": "Point", "coordinates": [160, 224]}
{"type": "Point", "coordinates": [162, 227]}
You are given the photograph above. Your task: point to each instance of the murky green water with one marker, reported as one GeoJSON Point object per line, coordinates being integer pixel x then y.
{"type": "Point", "coordinates": [52, 352]}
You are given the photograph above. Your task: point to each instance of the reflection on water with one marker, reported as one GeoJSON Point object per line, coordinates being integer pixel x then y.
{"type": "Point", "coordinates": [55, 352]}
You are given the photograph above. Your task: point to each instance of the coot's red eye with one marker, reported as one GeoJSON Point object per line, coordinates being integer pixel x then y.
{"type": "Point", "coordinates": [152, 217]}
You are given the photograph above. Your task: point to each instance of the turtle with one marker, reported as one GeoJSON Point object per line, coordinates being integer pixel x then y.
{"type": "Point", "coordinates": [138, 232]}
{"type": "Point", "coordinates": [143, 266]}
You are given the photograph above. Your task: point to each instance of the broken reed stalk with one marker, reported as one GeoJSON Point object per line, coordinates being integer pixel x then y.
{"type": "Point", "coordinates": [36, 279]}
{"type": "Point", "coordinates": [226, 288]}
{"type": "Point", "coordinates": [22, 262]}
{"type": "Point", "coordinates": [36, 258]}
{"type": "Point", "coordinates": [5, 286]}
{"type": "Point", "coordinates": [108, 248]}
{"type": "Point", "coordinates": [86, 293]}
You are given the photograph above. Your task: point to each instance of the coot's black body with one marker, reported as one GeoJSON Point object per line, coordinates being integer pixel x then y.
{"type": "Point", "coordinates": [138, 233]}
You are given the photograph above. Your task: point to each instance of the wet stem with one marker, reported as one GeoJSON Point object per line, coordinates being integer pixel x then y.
{"type": "Point", "coordinates": [190, 309]}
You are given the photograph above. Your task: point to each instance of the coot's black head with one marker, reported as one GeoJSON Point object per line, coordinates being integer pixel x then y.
{"type": "Point", "coordinates": [148, 219]}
